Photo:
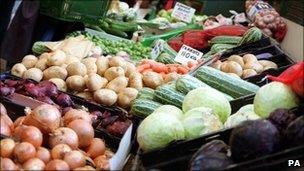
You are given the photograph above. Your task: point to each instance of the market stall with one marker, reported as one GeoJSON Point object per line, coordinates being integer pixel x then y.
{"type": "Point", "coordinates": [168, 87]}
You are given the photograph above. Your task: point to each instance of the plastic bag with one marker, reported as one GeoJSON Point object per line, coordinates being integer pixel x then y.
{"type": "Point", "coordinates": [294, 77]}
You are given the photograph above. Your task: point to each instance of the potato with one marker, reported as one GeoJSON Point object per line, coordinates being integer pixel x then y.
{"type": "Point", "coordinates": [118, 84]}
{"type": "Point", "coordinates": [57, 58]}
{"type": "Point", "coordinates": [238, 59]}
{"type": "Point", "coordinates": [254, 65]}
{"type": "Point", "coordinates": [102, 64]}
{"type": "Point", "coordinates": [126, 96]}
{"type": "Point", "coordinates": [76, 68]}
{"type": "Point", "coordinates": [268, 64]}
{"type": "Point", "coordinates": [217, 65]}
{"type": "Point", "coordinates": [113, 73]}
{"type": "Point", "coordinates": [71, 59]}
{"type": "Point", "coordinates": [90, 65]}
{"type": "Point", "coordinates": [45, 55]}
{"type": "Point", "coordinates": [232, 67]}
{"type": "Point", "coordinates": [64, 66]}
{"type": "Point", "coordinates": [249, 58]}
{"type": "Point", "coordinates": [234, 75]}
{"type": "Point", "coordinates": [29, 61]}
{"type": "Point", "coordinates": [105, 97]}
{"type": "Point", "coordinates": [248, 73]}
{"type": "Point", "coordinates": [135, 81]}
{"type": "Point", "coordinates": [95, 82]}
{"type": "Point", "coordinates": [117, 61]}
{"type": "Point", "coordinates": [34, 74]}
{"type": "Point", "coordinates": [60, 83]}
{"type": "Point", "coordinates": [55, 72]}
{"type": "Point", "coordinates": [171, 77]}
{"type": "Point", "coordinates": [86, 95]}
{"type": "Point", "coordinates": [152, 79]}
{"type": "Point", "coordinates": [41, 64]}
{"type": "Point", "coordinates": [130, 68]}
{"type": "Point", "coordinates": [18, 70]}
{"type": "Point", "coordinates": [76, 82]}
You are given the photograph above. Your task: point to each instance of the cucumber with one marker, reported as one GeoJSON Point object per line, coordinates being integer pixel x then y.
{"type": "Point", "coordinates": [225, 83]}
{"type": "Point", "coordinates": [145, 93]}
{"type": "Point", "coordinates": [251, 35]}
{"type": "Point", "coordinates": [168, 95]}
{"type": "Point", "coordinates": [225, 40]}
{"type": "Point", "coordinates": [221, 47]}
{"type": "Point", "coordinates": [165, 58]}
{"type": "Point", "coordinates": [144, 107]}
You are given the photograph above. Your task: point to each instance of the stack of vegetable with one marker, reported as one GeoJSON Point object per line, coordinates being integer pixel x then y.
{"type": "Point", "coordinates": [244, 67]}
{"type": "Point", "coordinates": [41, 141]}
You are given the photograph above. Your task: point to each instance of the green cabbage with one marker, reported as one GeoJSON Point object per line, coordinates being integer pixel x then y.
{"type": "Point", "coordinates": [158, 130]}
{"type": "Point", "coordinates": [243, 114]}
{"type": "Point", "coordinates": [199, 121]}
{"type": "Point", "coordinates": [273, 96]}
{"type": "Point", "coordinates": [207, 97]}
{"type": "Point", "coordinates": [171, 110]}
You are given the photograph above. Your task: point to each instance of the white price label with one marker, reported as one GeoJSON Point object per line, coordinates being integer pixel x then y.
{"type": "Point", "coordinates": [256, 8]}
{"type": "Point", "coordinates": [183, 12]}
{"type": "Point", "coordinates": [157, 49]}
{"type": "Point", "coordinates": [186, 54]}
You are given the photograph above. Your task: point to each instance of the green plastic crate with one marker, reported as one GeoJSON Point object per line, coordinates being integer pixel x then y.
{"type": "Point", "coordinates": [87, 11]}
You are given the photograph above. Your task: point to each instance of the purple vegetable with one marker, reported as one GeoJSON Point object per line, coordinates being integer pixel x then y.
{"type": "Point", "coordinates": [11, 83]}
{"type": "Point", "coordinates": [50, 88]}
{"type": "Point", "coordinates": [46, 99]}
{"type": "Point", "coordinates": [5, 91]}
{"type": "Point", "coordinates": [64, 100]}
{"type": "Point", "coordinates": [108, 121]}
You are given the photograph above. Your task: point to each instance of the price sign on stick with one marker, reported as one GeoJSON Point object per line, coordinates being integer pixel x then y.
{"type": "Point", "coordinates": [186, 53]}
{"type": "Point", "coordinates": [183, 12]}
{"type": "Point", "coordinates": [157, 49]}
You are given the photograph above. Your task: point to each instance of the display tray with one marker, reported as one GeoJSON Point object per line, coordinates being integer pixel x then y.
{"type": "Point", "coordinates": [177, 155]}
{"type": "Point", "coordinates": [91, 106]}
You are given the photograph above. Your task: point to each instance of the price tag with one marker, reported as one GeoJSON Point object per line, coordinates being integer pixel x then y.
{"type": "Point", "coordinates": [157, 49]}
{"type": "Point", "coordinates": [187, 53]}
{"type": "Point", "coordinates": [256, 8]}
{"type": "Point", "coordinates": [183, 12]}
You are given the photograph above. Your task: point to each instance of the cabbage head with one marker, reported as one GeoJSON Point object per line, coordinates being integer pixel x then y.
{"type": "Point", "coordinates": [158, 130]}
{"type": "Point", "coordinates": [273, 96]}
{"type": "Point", "coordinates": [208, 97]}
{"type": "Point", "coordinates": [200, 121]}
{"type": "Point", "coordinates": [170, 110]}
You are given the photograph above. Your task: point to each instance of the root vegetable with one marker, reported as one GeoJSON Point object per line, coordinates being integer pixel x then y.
{"type": "Point", "coordinates": [85, 168]}
{"type": "Point", "coordinates": [254, 65]}
{"type": "Point", "coordinates": [102, 64]}
{"type": "Point", "coordinates": [7, 164]}
{"type": "Point", "coordinates": [126, 96]}
{"type": "Point", "coordinates": [71, 59]}
{"type": "Point", "coordinates": [24, 151]}
{"type": "Point", "coordinates": [18, 70]}
{"type": "Point", "coordinates": [234, 75]}
{"type": "Point", "coordinates": [95, 82]}
{"type": "Point", "coordinates": [41, 64]}
{"type": "Point", "coordinates": [135, 80]}
{"type": "Point", "coordinates": [114, 72]}
{"type": "Point", "coordinates": [248, 73]}
{"type": "Point", "coordinates": [105, 96]}
{"type": "Point", "coordinates": [232, 67]}
{"type": "Point", "coordinates": [118, 84]}
{"type": "Point", "coordinates": [130, 68]}
{"type": "Point", "coordinates": [249, 58]}
{"type": "Point", "coordinates": [60, 150]}
{"type": "Point", "coordinates": [34, 74]}
{"type": "Point", "coordinates": [4, 128]}
{"type": "Point", "coordinates": [19, 121]}
{"type": "Point", "coordinates": [84, 130]}
{"type": "Point", "coordinates": [45, 117]}
{"type": "Point", "coordinates": [2, 110]}
{"type": "Point", "coordinates": [7, 146]}
{"type": "Point", "coordinates": [64, 135]}
{"type": "Point", "coordinates": [60, 83]}
{"type": "Point", "coordinates": [171, 77]}
{"type": "Point", "coordinates": [56, 164]}
{"type": "Point", "coordinates": [90, 64]}
{"type": "Point", "coordinates": [55, 72]}
{"type": "Point", "coordinates": [64, 100]}
{"type": "Point", "coordinates": [217, 65]}
{"type": "Point", "coordinates": [33, 164]}
{"type": "Point", "coordinates": [32, 135]}
{"type": "Point", "coordinates": [43, 154]}
{"type": "Point", "coordinates": [117, 61]}
{"type": "Point", "coordinates": [45, 55]}
{"type": "Point", "coordinates": [109, 154]}
{"type": "Point", "coordinates": [29, 61]}
{"type": "Point", "coordinates": [57, 58]}
{"type": "Point", "coordinates": [86, 95]}
{"type": "Point", "coordinates": [76, 82]}
{"type": "Point", "coordinates": [101, 162]}
{"type": "Point", "coordinates": [238, 59]}
{"type": "Point", "coordinates": [76, 68]}
{"type": "Point", "coordinates": [96, 148]}
{"type": "Point", "coordinates": [268, 64]}
{"type": "Point", "coordinates": [74, 114]}
{"type": "Point", "coordinates": [152, 79]}
{"type": "Point", "coordinates": [74, 159]}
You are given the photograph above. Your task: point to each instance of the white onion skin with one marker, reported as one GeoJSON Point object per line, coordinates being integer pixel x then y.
{"type": "Point", "coordinates": [7, 146]}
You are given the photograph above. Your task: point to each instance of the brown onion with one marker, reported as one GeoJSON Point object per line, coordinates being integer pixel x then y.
{"type": "Point", "coordinates": [43, 154]}
{"type": "Point", "coordinates": [4, 128]}
{"type": "Point", "coordinates": [60, 150]}
{"type": "Point", "coordinates": [101, 162]}
{"type": "Point", "coordinates": [33, 164]}
{"type": "Point", "coordinates": [74, 159]}
{"type": "Point", "coordinates": [32, 135]}
{"type": "Point", "coordinates": [2, 110]}
{"type": "Point", "coordinates": [45, 117]}
{"type": "Point", "coordinates": [19, 121]}
{"type": "Point", "coordinates": [63, 135]}
{"type": "Point", "coordinates": [7, 146]}
{"type": "Point", "coordinates": [84, 130]}
{"type": "Point", "coordinates": [74, 114]}
{"type": "Point", "coordinates": [57, 165]}
{"type": "Point", "coordinates": [96, 148]}
{"type": "Point", "coordinates": [109, 154]}
{"type": "Point", "coordinates": [85, 168]}
{"type": "Point", "coordinates": [7, 164]}
{"type": "Point", "coordinates": [24, 151]}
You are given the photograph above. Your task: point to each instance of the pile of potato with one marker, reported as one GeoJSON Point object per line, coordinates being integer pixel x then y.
{"type": "Point", "coordinates": [107, 80]}
{"type": "Point", "coordinates": [243, 67]}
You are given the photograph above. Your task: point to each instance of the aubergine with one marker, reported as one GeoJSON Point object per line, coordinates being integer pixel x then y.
{"type": "Point", "coordinates": [281, 118]}
{"type": "Point", "coordinates": [294, 134]}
